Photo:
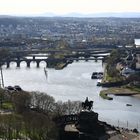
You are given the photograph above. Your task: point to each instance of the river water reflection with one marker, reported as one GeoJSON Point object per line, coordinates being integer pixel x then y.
{"type": "Point", "coordinates": [74, 82]}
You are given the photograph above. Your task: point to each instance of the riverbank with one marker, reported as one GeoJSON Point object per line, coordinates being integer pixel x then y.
{"type": "Point", "coordinates": [122, 91]}
{"type": "Point", "coordinates": [125, 134]}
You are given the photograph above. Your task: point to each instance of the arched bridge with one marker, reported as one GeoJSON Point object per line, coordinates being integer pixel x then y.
{"type": "Point", "coordinates": [37, 58]}
{"type": "Point", "coordinates": [28, 61]}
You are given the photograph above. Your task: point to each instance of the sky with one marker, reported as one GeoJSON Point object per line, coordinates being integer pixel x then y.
{"type": "Point", "coordinates": [61, 7]}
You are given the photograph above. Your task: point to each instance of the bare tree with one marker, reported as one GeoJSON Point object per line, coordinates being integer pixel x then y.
{"type": "Point", "coordinates": [43, 101]}
{"type": "Point", "coordinates": [69, 107]}
{"type": "Point", "coordinates": [21, 101]}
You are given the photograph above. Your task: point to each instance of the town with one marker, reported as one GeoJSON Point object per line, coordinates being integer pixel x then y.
{"type": "Point", "coordinates": [29, 33]}
{"type": "Point", "coordinates": [42, 102]}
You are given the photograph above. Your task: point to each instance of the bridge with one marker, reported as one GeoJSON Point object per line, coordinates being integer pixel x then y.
{"type": "Point", "coordinates": [53, 51]}
{"type": "Point", "coordinates": [85, 52]}
{"type": "Point", "coordinates": [76, 55]}
{"type": "Point", "coordinates": [37, 61]}
{"type": "Point", "coordinates": [74, 51]}
{"type": "Point", "coordinates": [84, 59]}
{"type": "Point", "coordinates": [48, 60]}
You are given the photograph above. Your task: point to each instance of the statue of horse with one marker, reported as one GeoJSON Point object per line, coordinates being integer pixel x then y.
{"type": "Point", "coordinates": [87, 105]}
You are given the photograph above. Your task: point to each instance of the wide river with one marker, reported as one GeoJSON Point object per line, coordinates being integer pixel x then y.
{"type": "Point", "coordinates": [74, 82]}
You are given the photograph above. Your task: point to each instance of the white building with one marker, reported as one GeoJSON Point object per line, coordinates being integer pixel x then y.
{"type": "Point", "coordinates": [137, 43]}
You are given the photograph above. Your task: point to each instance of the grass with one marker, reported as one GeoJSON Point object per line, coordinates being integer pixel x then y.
{"type": "Point", "coordinates": [119, 91]}
{"type": "Point", "coordinates": [113, 79]}
{"type": "Point", "coordinates": [103, 94]}
{"type": "Point", "coordinates": [133, 88]}
{"type": "Point", "coordinates": [7, 106]}
{"type": "Point", "coordinates": [60, 66]}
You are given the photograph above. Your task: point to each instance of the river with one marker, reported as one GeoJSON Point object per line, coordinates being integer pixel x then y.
{"type": "Point", "coordinates": [74, 82]}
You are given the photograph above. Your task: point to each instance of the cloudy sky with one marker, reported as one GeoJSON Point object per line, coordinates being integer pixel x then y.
{"type": "Point", "coordinates": [33, 7]}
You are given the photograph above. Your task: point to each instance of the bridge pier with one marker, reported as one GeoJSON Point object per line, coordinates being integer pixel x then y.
{"type": "Point", "coordinates": [33, 58]}
{"type": "Point", "coordinates": [96, 58]}
{"type": "Point", "coordinates": [28, 64]}
{"type": "Point", "coordinates": [8, 64]}
{"type": "Point", "coordinates": [37, 64]}
{"type": "Point", "coordinates": [18, 58]}
{"type": "Point", "coordinates": [18, 64]}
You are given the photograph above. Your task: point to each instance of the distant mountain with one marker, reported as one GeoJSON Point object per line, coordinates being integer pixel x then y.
{"type": "Point", "coordinates": [94, 15]}
{"type": "Point", "coordinates": [121, 15]}
{"type": "Point", "coordinates": [5, 16]}
{"type": "Point", "coordinates": [74, 15]}
{"type": "Point", "coordinates": [49, 14]}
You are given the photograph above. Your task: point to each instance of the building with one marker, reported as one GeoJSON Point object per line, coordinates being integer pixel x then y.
{"type": "Point", "coordinates": [137, 43]}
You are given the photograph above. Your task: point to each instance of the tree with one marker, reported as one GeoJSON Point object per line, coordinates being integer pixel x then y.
{"type": "Point", "coordinates": [115, 57]}
{"type": "Point", "coordinates": [134, 78]}
{"type": "Point", "coordinates": [39, 126]}
{"type": "Point", "coordinates": [69, 107]}
{"type": "Point", "coordinates": [21, 101]}
{"type": "Point", "coordinates": [112, 61]}
{"type": "Point", "coordinates": [63, 44]}
{"type": "Point", "coordinates": [10, 126]}
{"type": "Point", "coordinates": [4, 54]}
{"type": "Point", "coordinates": [1, 97]}
{"type": "Point", "coordinates": [43, 102]}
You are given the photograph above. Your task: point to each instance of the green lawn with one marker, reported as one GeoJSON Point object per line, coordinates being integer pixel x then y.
{"type": "Point", "coordinates": [103, 94]}
{"type": "Point", "coordinates": [7, 106]}
{"type": "Point", "coordinates": [134, 88]}
{"type": "Point", "coordinates": [125, 91]}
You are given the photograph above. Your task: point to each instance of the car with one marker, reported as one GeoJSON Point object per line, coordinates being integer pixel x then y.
{"type": "Point", "coordinates": [10, 88]}
{"type": "Point", "coordinates": [17, 88]}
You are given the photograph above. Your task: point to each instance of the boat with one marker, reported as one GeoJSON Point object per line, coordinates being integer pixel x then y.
{"type": "Point", "coordinates": [94, 75]}
{"type": "Point", "coordinates": [128, 105]}
{"type": "Point", "coordinates": [99, 82]}
{"type": "Point", "coordinates": [97, 75]}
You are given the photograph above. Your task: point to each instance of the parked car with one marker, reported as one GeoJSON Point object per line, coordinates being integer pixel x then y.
{"type": "Point", "coordinates": [10, 88]}
{"type": "Point", "coordinates": [17, 88]}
